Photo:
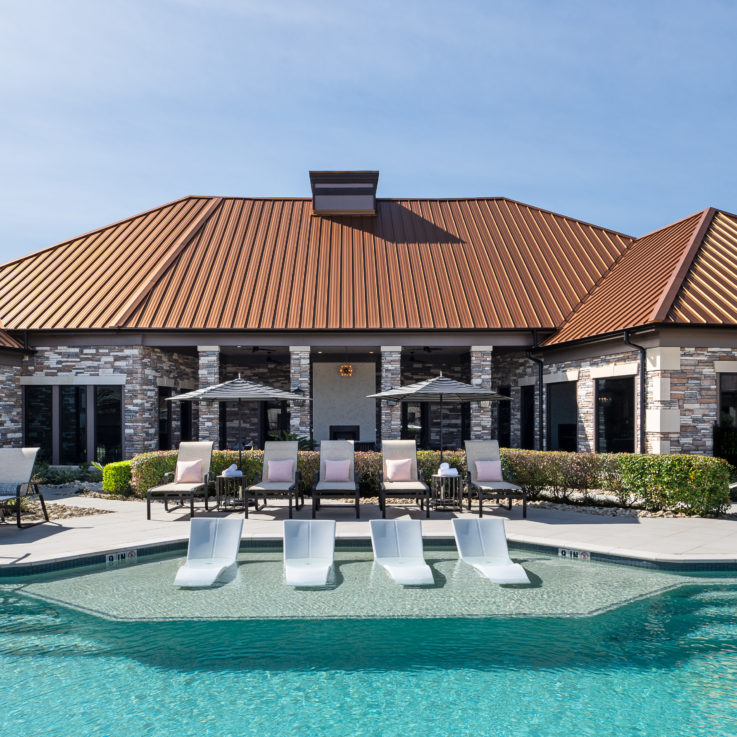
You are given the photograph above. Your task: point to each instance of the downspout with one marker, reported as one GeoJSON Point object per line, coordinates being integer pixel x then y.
{"type": "Point", "coordinates": [539, 362]}
{"type": "Point", "coordinates": [643, 398]}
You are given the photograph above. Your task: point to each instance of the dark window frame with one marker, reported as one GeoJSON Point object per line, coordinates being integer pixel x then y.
{"type": "Point", "coordinates": [597, 444]}
{"type": "Point", "coordinates": [548, 416]}
{"type": "Point", "coordinates": [90, 421]}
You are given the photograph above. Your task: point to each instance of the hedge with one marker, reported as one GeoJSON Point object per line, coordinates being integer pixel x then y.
{"type": "Point", "coordinates": [116, 477]}
{"type": "Point", "coordinates": [683, 483]}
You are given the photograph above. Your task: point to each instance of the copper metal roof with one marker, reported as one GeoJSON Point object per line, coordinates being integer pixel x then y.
{"type": "Point", "coordinates": [642, 285]}
{"type": "Point", "coordinates": [708, 293]}
{"type": "Point", "coordinates": [7, 341]}
{"type": "Point", "coordinates": [212, 263]}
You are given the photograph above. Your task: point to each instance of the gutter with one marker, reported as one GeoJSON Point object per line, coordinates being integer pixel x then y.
{"type": "Point", "coordinates": [540, 363]}
{"type": "Point", "coordinates": [643, 357]}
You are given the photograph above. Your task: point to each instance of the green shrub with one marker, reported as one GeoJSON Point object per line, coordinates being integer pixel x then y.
{"type": "Point", "coordinates": [685, 483]}
{"type": "Point", "coordinates": [116, 477]}
{"type": "Point", "coordinates": [688, 484]}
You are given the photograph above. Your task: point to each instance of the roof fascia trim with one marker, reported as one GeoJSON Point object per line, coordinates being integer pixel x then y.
{"type": "Point", "coordinates": [668, 297]}
{"type": "Point", "coordinates": [183, 241]}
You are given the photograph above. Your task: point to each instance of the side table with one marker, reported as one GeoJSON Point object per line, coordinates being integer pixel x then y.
{"type": "Point", "coordinates": [446, 492]}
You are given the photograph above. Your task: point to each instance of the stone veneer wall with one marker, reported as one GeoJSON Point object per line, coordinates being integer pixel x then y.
{"type": "Point", "coordinates": [142, 366]}
{"type": "Point", "coordinates": [11, 406]}
{"type": "Point", "coordinates": [691, 392]}
{"type": "Point", "coordinates": [390, 425]}
{"type": "Point", "coordinates": [300, 377]}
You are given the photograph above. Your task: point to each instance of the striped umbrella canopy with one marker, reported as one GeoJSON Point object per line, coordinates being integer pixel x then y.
{"type": "Point", "coordinates": [437, 389]}
{"type": "Point", "coordinates": [239, 390]}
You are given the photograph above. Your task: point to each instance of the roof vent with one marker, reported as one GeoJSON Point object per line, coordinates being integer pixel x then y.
{"type": "Point", "coordinates": [344, 192]}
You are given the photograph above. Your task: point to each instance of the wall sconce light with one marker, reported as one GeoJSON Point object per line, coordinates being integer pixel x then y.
{"type": "Point", "coordinates": [298, 390]}
{"type": "Point", "coordinates": [345, 370]}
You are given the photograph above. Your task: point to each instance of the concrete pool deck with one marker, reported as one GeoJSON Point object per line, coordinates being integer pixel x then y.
{"type": "Point", "coordinates": [124, 527]}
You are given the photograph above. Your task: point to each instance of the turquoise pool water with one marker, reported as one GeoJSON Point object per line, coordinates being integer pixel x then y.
{"type": "Point", "coordinates": [661, 665]}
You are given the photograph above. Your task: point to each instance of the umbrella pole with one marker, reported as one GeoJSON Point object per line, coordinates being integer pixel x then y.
{"type": "Point", "coordinates": [441, 429]}
{"type": "Point", "coordinates": [240, 433]}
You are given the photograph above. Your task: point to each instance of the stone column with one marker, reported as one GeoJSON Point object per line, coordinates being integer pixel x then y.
{"type": "Point", "coordinates": [300, 413]}
{"type": "Point", "coordinates": [209, 374]}
{"type": "Point", "coordinates": [481, 428]}
{"type": "Point", "coordinates": [391, 378]}
{"type": "Point", "coordinates": [11, 404]}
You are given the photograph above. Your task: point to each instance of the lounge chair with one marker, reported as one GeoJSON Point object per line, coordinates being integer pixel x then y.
{"type": "Point", "coordinates": [213, 547]}
{"type": "Point", "coordinates": [487, 452]}
{"type": "Point", "coordinates": [308, 551]}
{"type": "Point", "coordinates": [397, 546]}
{"type": "Point", "coordinates": [189, 453]}
{"type": "Point", "coordinates": [337, 475]}
{"type": "Point", "coordinates": [278, 478]}
{"type": "Point", "coordinates": [16, 469]}
{"type": "Point", "coordinates": [482, 543]}
{"type": "Point", "coordinates": [399, 479]}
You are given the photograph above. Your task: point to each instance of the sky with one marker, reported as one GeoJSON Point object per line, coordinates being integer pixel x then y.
{"type": "Point", "coordinates": [618, 113]}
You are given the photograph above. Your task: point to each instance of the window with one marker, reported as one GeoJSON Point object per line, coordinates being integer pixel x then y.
{"type": "Point", "coordinates": [108, 423]}
{"type": "Point", "coordinates": [615, 415]}
{"type": "Point", "coordinates": [504, 417]}
{"type": "Point", "coordinates": [72, 425]}
{"type": "Point", "coordinates": [164, 418]}
{"type": "Point", "coordinates": [421, 423]}
{"type": "Point", "coordinates": [185, 418]}
{"type": "Point", "coordinates": [75, 424]}
{"type": "Point", "coordinates": [527, 417]}
{"type": "Point", "coordinates": [562, 416]}
{"type": "Point", "coordinates": [38, 421]}
{"type": "Point", "coordinates": [728, 401]}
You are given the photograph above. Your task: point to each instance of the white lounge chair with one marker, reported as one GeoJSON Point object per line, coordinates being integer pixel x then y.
{"type": "Point", "coordinates": [488, 450]}
{"type": "Point", "coordinates": [397, 546]}
{"type": "Point", "coordinates": [308, 551]}
{"type": "Point", "coordinates": [271, 482]}
{"type": "Point", "coordinates": [335, 452]}
{"type": "Point", "coordinates": [16, 469]}
{"type": "Point", "coordinates": [213, 547]}
{"type": "Point", "coordinates": [411, 485]}
{"type": "Point", "coordinates": [482, 543]}
{"type": "Point", "coordinates": [189, 451]}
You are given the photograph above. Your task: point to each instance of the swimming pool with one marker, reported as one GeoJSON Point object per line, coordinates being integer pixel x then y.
{"type": "Point", "coordinates": [662, 664]}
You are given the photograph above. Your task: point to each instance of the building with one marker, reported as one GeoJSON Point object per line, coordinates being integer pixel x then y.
{"type": "Point", "coordinates": [603, 341]}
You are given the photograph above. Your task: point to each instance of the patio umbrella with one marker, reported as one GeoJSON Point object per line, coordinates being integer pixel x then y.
{"type": "Point", "coordinates": [438, 389]}
{"type": "Point", "coordinates": [239, 390]}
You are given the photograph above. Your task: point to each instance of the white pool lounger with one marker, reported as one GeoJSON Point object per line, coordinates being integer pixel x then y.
{"type": "Point", "coordinates": [482, 543]}
{"type": "Point", "coordinates": [308, 551]}
{"type": "Point", "coordinates": [213, 547]}
{"type": "Point", "coordinates": [397, 547]}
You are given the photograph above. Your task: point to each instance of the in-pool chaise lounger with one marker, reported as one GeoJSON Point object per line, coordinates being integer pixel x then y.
{"type": "Point", "coordinates": [308, 551]}
{"type": "Point", "coordinates": [213, 547]}
{"type": "Point", "coordinates": [397, 547]}
{"type": "Point", "coordinates": [482, 543]}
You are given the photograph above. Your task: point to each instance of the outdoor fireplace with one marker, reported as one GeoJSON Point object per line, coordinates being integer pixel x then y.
{"type": "Point", "coordinates": [344, 432]}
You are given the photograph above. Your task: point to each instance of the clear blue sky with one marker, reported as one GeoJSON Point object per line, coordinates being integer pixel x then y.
{"type": "Point", "coordinates": [620, 113]}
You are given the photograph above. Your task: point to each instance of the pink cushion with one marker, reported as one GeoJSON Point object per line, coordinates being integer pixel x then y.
{"type": "Point", "coordinates": [280, 471]}
{"type": "Point", "coordinates": [399, 470]}
{"type": "Point", "coordinates": [188, 472]}
{"type": "Point", "coordinates": [337, 470]}
{"type": "Point", "coordinates": [488, 470]}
